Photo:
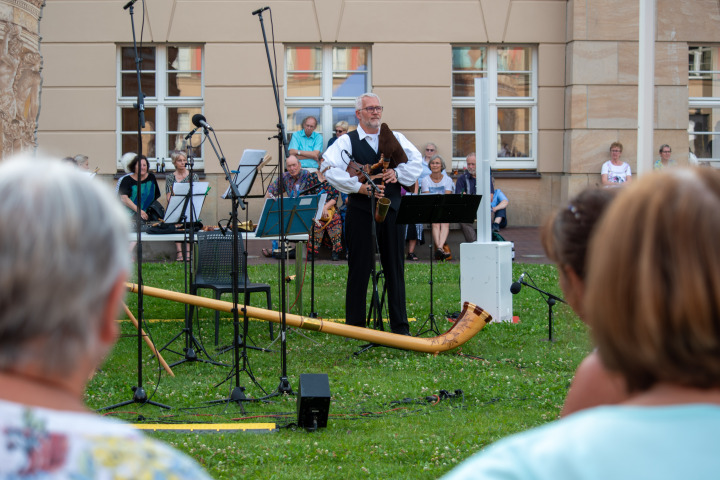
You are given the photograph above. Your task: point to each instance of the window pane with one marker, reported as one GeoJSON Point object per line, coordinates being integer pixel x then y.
{"type": "Point", "coordinates": [304, 58]}
{"type": "Point", "coordinates": [130, 119]}
{"type": "Point", "coordinates": [179, 125]}
{"type": "Point", "coordinates": [349, 84]}
{"type": "Point", "coordinates": [129, 134]}
{"type": "Point", "coordinates": [184, 59]}
{"type": "Point", "coordinates": [297, 115]}
{"type": "Point", "coordinates": [468, 63]}
{"type": "Point", "coordinates": [514, 119]}
{"type": "Point", "coordinates": [464, 84]}
{"type": "Point", "coordinates": [463, 144]}
{"type": "Point", "coordinates": [186, 84]}
{"type": "Point", "coordinates": [704, 132]}
{"type": "Point", "coordinates": [513, 85]}
{"type": "Point", "coordinates": [464, 119]}
{"type": "Point", "coordinates": [147, 57]}
{"type": "Point", "coordinates": [304, 85]}
{"type": "Point", "coordinates": [702, 59]}
{"type": "Point", "coordinates": [514, 59]}
{"type": "Point", "coordinates": [704, 85]}
{"type": "Point", "coordinates": [129, 84]}
{"type": "Point", "coordinates": [347, 114]}
{"type": "Point", "coordinates": [514, 145]}
{"type": "Point", "coordinates": [349, 59]}
{"type": "Point", "coordinates": [469, 58]}
{"type": "Point", "coordinates": [129, 144]}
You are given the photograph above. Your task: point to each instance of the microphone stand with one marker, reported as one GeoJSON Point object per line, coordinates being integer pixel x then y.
{"type": "Point", "coordinates": [375, 311]}
{"type": "Point", "coordinates": [550, 299]}
{"type": "Point", "coordinates": [284, 385]}
{"type": "Point", "coordinates": [237, 394]}
{"type": "Point", "coordinates": [313, 313]}
{"type": "Point", "coordinates": [139, 394]}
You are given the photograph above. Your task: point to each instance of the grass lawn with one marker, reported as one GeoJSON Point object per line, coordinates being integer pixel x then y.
{"type": "Point", "coordinates": [385, 421]}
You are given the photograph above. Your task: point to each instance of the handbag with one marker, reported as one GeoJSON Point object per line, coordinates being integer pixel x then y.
{"type": "Point", "coordinates": [156, 211]}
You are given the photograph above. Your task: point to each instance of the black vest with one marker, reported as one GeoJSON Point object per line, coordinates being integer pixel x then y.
{"type": "Point", "coordinates": [364, 154]}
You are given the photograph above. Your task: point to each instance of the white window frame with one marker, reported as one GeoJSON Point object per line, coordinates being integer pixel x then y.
{"type": "Point", "coordinates": [326, 102]}
{"type": "Point", "coordinates": [704, 102]}
{"type": "Point", "coordinates": [160, 102]}
{"type": "Point", "coordinates": [531, 102]}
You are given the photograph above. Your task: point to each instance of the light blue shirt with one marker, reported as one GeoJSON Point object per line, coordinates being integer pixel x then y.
{"type": "Point", "coordinates": [300, 141]}
{"type": "Point", "coordinates": [611, 442]}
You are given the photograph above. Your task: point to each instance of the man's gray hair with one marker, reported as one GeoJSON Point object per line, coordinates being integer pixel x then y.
{"type": "Point", "coordinates": [63, 246]}
{"type": "Point", "coordinates": [358, 100]}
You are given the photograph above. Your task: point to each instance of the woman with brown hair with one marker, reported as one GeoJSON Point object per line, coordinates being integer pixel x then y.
{"type": "Point", "coordinates": [565, 237]}
{"type": "Point", "coordinates": [653, 304]}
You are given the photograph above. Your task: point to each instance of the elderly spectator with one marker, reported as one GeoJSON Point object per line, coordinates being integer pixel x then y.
{"type": "Point", "coordinates": [615, 172]}
{"type": "Point", "coordinates": [295, 180]}
{"type": "Point", "coordinates": [652, 303]}
{"type": "Point", "coordinates": [341, 128]}
{"type": "Point", "coordinates": [306, 144]}
{"type": "Point", "coordinates": [180, 175]}
{"type": "Point", "coordinates": [467, 183]}
{"type": "Point", "coordinates": [59, 302]}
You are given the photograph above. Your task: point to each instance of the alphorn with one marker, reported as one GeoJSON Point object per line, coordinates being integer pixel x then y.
{"type": "Point", "coordinates": [472, 319]}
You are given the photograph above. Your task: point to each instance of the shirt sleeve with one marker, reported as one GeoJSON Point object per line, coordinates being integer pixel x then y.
{"type": "Point", "coordinates": [408, 173]}
{"type": "Point", "coordinates": [126, 186]}
{"type": "Point", "coordinates": [294, 144]}
{"type": "Point", "coordinates": [169, 182]}
{"type": "Point", "coordinates": [604, 169]}
{"type": "Point", "coordinates": [318, 143]}
{"type": "Point", "coordinates": [336, 163]}
{"type": "Point", "coordinates": [460, 185]}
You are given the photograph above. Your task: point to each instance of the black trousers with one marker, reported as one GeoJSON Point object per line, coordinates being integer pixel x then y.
{"type": "Point", "coordinates": [391, 240]}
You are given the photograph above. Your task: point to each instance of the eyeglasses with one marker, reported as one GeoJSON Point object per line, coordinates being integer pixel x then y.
{"type": "Point", "coordinates": [339, 131]}
{"type": "Point", "coordinates": [429, 149]}
{"type": "Point", "coordinates": [666, 151]}
{"type": "Point", "coordinates": [616, 151]}
{"type": "Point", "coordinates": [377, 109]}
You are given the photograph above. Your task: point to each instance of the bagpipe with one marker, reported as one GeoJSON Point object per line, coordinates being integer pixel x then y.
{"type": "Point", "coordinates": [391, 155]}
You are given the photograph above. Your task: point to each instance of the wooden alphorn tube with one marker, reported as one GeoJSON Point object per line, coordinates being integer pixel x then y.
{"type": "Point", "coordinates": [472, 319]}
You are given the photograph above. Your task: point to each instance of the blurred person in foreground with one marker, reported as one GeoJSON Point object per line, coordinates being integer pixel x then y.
{"type": "Point", "coordinates": [653, 304]}
{"type": "Point", "coordinates": [61, 284]}
{"type": "Point", "coordinates": [565, 237]}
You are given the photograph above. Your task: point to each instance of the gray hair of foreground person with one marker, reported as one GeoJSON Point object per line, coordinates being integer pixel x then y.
{"type": "Point", "coordinates": [661, 273]}
{"type": "Point", "coordinates": [63, 248]}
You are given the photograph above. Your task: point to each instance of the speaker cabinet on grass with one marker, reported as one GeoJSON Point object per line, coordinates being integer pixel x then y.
{"type": "Point", "coordinates": [313, 401]}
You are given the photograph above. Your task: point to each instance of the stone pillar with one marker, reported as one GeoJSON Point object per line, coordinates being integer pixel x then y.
{"type": "Point", "coordinates": [20, 79]}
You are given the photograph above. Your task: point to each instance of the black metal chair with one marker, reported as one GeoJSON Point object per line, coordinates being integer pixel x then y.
{"type": "Point", "coordinates": [214, 271]}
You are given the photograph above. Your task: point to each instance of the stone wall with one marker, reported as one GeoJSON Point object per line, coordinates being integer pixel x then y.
{"type": "Point", "coordinates": [20, 78]}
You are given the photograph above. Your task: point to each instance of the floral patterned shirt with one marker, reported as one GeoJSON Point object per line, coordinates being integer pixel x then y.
{"type": "Point", "coordinates": [39, 443]}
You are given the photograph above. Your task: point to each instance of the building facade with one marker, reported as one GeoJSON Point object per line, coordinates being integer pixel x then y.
{"type": "Point", "coordinates": [563, 76]}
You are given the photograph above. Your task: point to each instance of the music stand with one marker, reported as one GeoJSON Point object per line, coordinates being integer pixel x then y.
{"type": "Point", "coordinates": [184, 207]}
{"type": "Point", "coordinates": [240, 189]}
{"type": "Point", "coordinates": [295, 217]}
{"type": "Point", "coordinates": [449, 208]}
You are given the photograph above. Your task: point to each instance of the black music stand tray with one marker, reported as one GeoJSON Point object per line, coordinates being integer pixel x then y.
{"type": "Point", "coordinates": [449, 208]}
{"type": "Point", "coordinates": [296, 217]}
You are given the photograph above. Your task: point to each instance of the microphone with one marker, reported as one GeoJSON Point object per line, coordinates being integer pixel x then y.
{"type": "Point", "coordinates": [260, 10]}
{"type": "Point", "coordinates": [516, 286]}
{"type": "Point", "coordinates": [199, 121]}
{"type": "Point", "coordinates": [189, 135]}
{"type": "Point", "coordinates": [129, 4]}
{"type": "Point", "coordinates": [352, 159]}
